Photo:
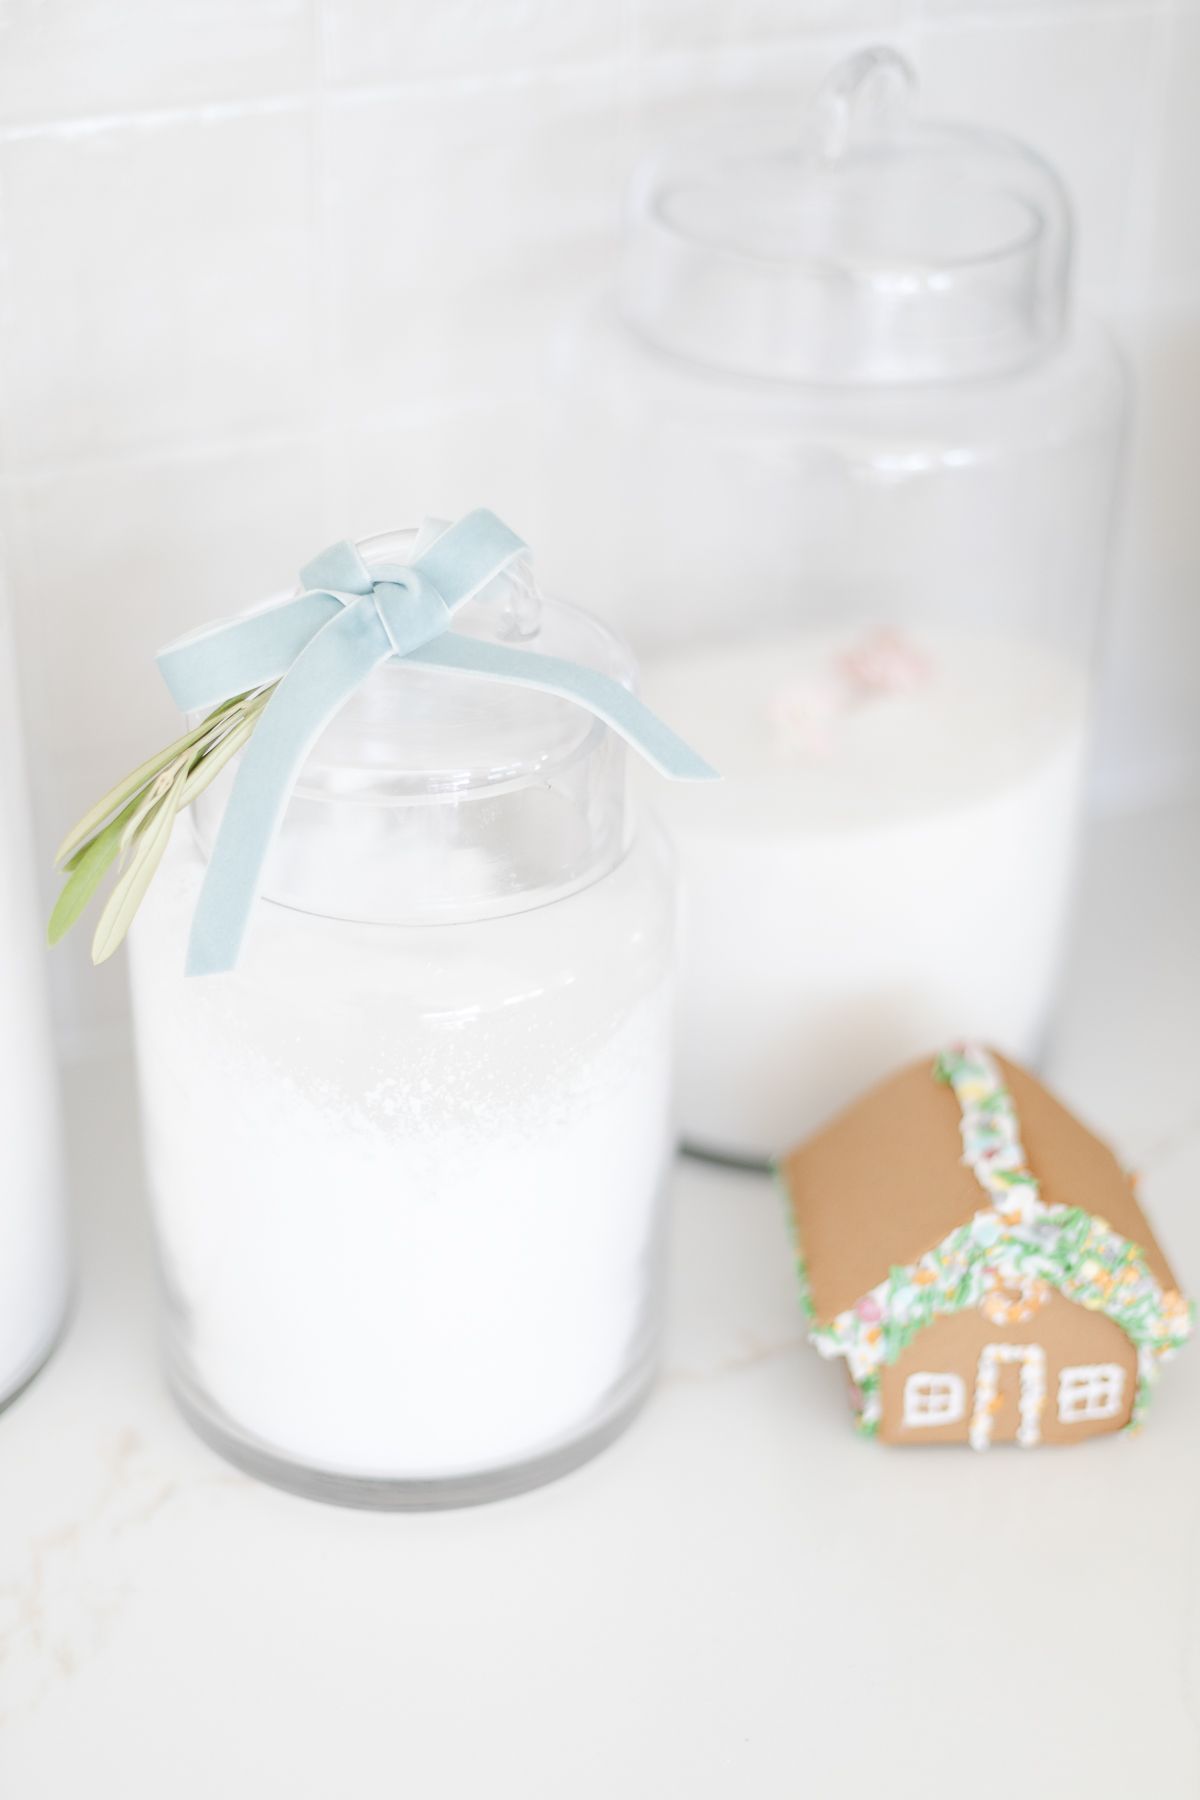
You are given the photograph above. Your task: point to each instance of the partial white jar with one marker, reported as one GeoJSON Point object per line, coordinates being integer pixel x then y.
{"type": "Point", "coordinates": [34, 1277]}
{"type": "Point", "coordinates": [408, 1160]}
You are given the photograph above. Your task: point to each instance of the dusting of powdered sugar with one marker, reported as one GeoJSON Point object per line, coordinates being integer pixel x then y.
{"type": "Point", "coordinates": [406, 1180]}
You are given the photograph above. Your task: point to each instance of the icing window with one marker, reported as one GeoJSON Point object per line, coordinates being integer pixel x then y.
{"type": "Point", "coordinates": [1090, 1391]}
{"type": "Point", "coordinates": [934, 1399]}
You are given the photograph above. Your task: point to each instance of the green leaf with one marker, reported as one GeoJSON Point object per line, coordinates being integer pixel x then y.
{"type": "Point", "coordinates": [132, 785]}
{"type": "Point", "coordinates": [135, 818]}
{"type": "Point", "coordinates": [206, 768]}
{"type": "Point", "coordinates": [130, 890]}
{"type": "Point", "coordinates": [124, 815]}
{"type": "Point", "coordinates": [153, 796]}
{"type": "Point", "coordinates": [87, 870]}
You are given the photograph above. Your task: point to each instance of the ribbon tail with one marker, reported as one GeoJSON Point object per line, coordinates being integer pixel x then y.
{"type": "Point", "coordinates": [327, 671]}
{"type": "Point", "coordinates": [600, 694]}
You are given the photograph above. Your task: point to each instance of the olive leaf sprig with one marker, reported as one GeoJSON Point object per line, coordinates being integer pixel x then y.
{"type": "Point", "coordinates": [132, 824]}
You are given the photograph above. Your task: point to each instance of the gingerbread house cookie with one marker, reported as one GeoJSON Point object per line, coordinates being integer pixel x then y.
{"type": "Point", "coordinates": [979, 1260]}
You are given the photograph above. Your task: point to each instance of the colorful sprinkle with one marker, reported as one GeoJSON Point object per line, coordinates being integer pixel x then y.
{"type": "Point", "coordinates": [1007, 1260]}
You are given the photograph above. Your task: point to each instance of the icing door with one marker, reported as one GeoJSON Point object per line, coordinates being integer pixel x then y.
{"type": "Point", "coordinates": [1031, 1362]}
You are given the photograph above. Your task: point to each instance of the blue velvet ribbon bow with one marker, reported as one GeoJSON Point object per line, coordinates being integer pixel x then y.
{"type": "Point", "coordinates": [321, 646]}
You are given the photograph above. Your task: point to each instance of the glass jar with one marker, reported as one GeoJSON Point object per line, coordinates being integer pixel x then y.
{"type": "Point", "coordinates": [34, 1277]}
{"type": "Point", "coordinates": [859, 455]}
{"type": "Point", "coordinates": [408, 1159]}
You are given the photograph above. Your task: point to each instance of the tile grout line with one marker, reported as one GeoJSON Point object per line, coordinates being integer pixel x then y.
{"type": "Point", "coordinates": [742, 60]}
{"type": "Point", "coordinates": [426, 411]}
{"type": "Point", "coordinates": [695, 59]}
{"type": "Point", "coordinates": [205, 112]}
{"type": "Point", "coordinates": [154, 455]}
{"type": "Point", "coordinates": [434, 87]}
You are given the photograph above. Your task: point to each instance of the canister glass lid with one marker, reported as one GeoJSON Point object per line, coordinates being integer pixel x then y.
{"type": "Point", "coordinates": [434, 797]}
{"type": "Point", "coordinates": [854, 244]}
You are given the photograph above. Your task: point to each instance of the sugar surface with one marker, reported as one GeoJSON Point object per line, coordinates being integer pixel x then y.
{"type": "Point", "coordinates": [874, 876]}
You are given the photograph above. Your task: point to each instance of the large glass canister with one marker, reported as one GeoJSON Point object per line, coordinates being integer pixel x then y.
{"type": "Point", "coordinates": [34, 1276]}
{"type": "Point", "coordinates": [860, 454]}
{"type": "Point", "coordinates": [407, 1161]}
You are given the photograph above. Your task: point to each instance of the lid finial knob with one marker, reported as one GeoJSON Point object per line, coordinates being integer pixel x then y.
{"type": "Point", "coordinates": [865, 97]}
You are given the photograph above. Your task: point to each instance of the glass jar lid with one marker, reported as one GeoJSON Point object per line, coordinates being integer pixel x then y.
{"type": "Point", "coordinates": [434, 796]}
{"type": "Point", "coordinates": [862, 245]}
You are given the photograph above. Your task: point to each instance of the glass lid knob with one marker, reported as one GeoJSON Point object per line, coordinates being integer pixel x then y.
{"type": "Point", "coordinates": [864, 245]}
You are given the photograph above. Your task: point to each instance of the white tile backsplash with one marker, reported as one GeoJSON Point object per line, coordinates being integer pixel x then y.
{"type": "Point", "coordinates": [440, 463]}
{"type": "Point", "coordinates": [1009, 11]}
{"type": "Point", "coordinates": [461, 342]}
{"type": "Point", "coordinates": [732, 24]}
{"type": "Point", "coordinates": [77, 58]}
{"type": "Point", "coordinates": [111, 561]}
{"type": "Point", "coordinates": [447, 221]}
{"type": "Point", "coordinates": [91, 1004]}
{"type": "Point", "coordinates": [1076, 87]}
{"type": "Point", "coordinates": [160, 284]}
{"type": "Point", "coordinates": [277, 270]}
{"type": "Point", "coordinates": [430, 188]}
{"type": "Point", "coordinates": [1172, 195]}
{"type": "Point", "coordinates": [369, 43]}
{"type": "Point", "coordinates": [1149, 715]}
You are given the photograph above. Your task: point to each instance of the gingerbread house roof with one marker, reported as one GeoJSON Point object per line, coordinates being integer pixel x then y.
{"type": "Point", "coordinates": [885, 1183]}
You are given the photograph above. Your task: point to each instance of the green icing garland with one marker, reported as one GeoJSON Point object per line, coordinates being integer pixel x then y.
{"type": "Point", "coordinates": [1014, 1242]}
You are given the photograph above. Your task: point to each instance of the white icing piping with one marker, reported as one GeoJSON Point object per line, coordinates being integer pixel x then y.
{"type": "Point", "coordinates": [1032, 1361]}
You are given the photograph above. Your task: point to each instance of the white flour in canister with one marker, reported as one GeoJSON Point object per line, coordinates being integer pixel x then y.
{"type": "Point", "coordinates": [407, 1179]}
{"type": "Point", "coordinates": [33, 1246]}
{"type": "Point", "coordinates": [886, 865]}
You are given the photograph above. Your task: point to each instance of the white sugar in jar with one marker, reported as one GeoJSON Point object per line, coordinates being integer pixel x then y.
{"type": "Point", "coordinates": [407, 1161]}
{"type": "Point", "coordinates": [33, 1237]}
{"type": "Point", "coordinates": [886, 865]}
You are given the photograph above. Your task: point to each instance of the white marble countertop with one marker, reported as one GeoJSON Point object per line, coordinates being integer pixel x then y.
{"type": "Point", "coordinates": [740, 1598]}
